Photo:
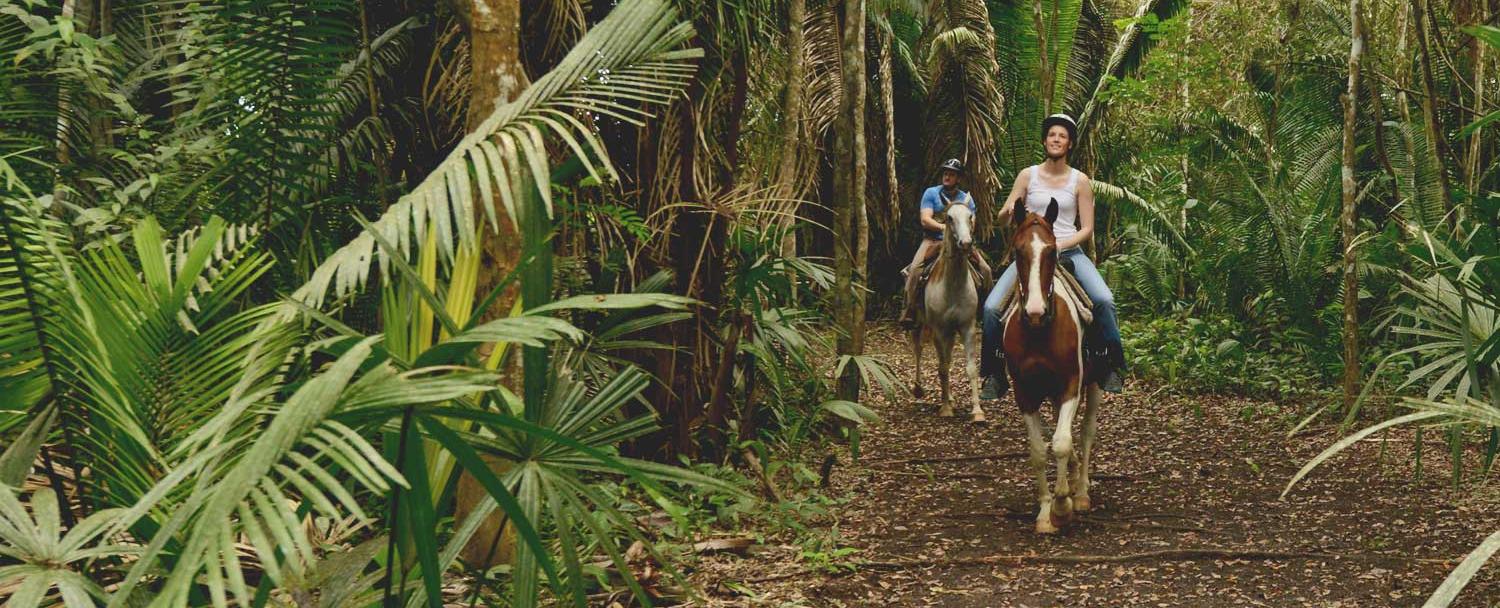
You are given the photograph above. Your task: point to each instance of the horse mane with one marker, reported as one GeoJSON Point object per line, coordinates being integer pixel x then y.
{"type": "Point", "coordinates": [939, 267]}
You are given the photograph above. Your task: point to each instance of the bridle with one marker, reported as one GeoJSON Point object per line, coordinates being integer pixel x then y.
{"type": "Point", "coordinates": [1049, 309]}
{"type": "Point", "coordinates": [949, 232]}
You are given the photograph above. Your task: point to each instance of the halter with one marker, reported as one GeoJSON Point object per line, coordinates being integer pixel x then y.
{"type": "Point", "coordinates": [948, 204]}
{"type": "Point", "coordinates": [1048, 307]}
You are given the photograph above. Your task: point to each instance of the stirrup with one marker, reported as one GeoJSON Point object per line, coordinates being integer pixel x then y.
{"type": "Point", "coordinates": [995, 388]}
{"type": "Point", "coordinates": [1112, 382]}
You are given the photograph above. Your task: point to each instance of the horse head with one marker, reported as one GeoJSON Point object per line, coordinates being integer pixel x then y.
{"type": "Point", "coordinates": [1035, 250]}
{"type": "Point", "coordinates": [958, 221]}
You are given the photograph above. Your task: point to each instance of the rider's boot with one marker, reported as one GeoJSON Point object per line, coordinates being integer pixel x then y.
{"type": "Point", "coordinates": [992, 367]}
{"type": "Point", "coordinates": [908, 318]}
{"type": "Point", "coordinates": [1111, 357]}
{"type": "Point", "coordinates": [1114, 381]}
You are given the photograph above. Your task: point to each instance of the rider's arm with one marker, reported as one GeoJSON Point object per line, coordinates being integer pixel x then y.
{"type": "Point", "coordinates": [928, 223]}
{"type": "Point", "coordinates": [930, 203]}
{"type": "Point", "coordinates": [1016, 191]}
{"type": "Point", "coordinates": [1085, 216]}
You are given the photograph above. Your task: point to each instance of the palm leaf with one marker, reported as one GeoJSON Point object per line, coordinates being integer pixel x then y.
{"type": "Point", "coordinates": [632, 57]}
{"type": "Point", "coordinates": [1128, 55]}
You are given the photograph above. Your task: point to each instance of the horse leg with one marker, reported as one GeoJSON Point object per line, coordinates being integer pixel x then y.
{"type": "Point", "coordinates": [971, 366]}
{"type": "Point", "coordinates": [1081, 501]}
{"type": "Point", "coordinates": [916, 355]}
{"type": "Point", "coordinates": [944, 344]}
{"type": "Point", "coordinates": [1044, 523]}
{"type": "Point", "coordinates": [1062, 449]}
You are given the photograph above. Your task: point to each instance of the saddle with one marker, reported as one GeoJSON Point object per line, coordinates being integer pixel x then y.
{"type": "Point", "coordinates": [1065, 285]}
{"type": "Point", "coordinates": [983, 282]}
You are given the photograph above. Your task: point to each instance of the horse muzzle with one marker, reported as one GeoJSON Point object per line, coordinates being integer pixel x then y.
{"type": "Point", "coordinates": [1042, 319]}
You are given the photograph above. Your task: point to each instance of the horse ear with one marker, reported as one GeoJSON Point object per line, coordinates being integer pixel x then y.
{"type": "Point", "coordinates": [1052, 211]}
{"type": "Point", "coordinates": [1018, 211]}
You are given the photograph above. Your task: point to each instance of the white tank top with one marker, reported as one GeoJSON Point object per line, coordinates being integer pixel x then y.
{"type": "Point", "coordinates": [1039, 195]}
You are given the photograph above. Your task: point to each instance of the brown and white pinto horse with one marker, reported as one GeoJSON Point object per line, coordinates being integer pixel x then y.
{"type": "Point", "coordinates": [1045, 358]}
{"type": "Point", "coordinates": [950, 306]}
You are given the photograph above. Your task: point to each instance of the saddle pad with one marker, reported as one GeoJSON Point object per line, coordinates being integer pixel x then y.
{"type": "Point", "coordinates": [1063, 284]}
{"type": "Point", "coordinates": [982, 283]}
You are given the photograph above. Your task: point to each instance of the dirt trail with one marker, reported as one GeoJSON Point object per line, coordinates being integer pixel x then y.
{"type": "Point", "coordinates": [1172, 473]}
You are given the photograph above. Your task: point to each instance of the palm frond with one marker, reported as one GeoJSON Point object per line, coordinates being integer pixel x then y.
{"type": "Point", "coordinates": [632, 57]}
{"type": "Point", "coordinates": [1129, 53]}
{"type": "Point", "coordinates": [250, 494]}
{"type": "Point", "coordinates": [965, 107]}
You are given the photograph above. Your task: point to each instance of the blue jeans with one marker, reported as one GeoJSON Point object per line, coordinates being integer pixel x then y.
{"type": "Point", "coordinates": [1108, 327]}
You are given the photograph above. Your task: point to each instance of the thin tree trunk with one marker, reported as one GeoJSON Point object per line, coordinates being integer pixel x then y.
{"type": "Point", "coordinates": [849, 196]}
{"type": "Point", "coordinates": [681, 401]}
{"type": "Point", "coordinates": [1183, 212]}
{"type": "Point", "coordinates": [888, 107]}
{"type": "Point", "coordinates": [81, 12]}
{"type": "Point", "coordinates": [381, 165]}
{"type": "Point", "coordinates": [1377, 116]}
{"type": "Point", "coordinates": [1403, 103]}
{"type": "Point", "coordinates": [791, 139]}
{"type": "Point", "coordinates": [496, 75]}
{"type": "Point", "coordinates": [1044, 58]}
{"type": "Point", "coordinates": [711, 268]}
{"type": "Point", "coordinates": [1346, 217]}
{"type": "Point", "coordinates": [1429, 109]}
{"type": "Point", "coordinates": [1476, 140]}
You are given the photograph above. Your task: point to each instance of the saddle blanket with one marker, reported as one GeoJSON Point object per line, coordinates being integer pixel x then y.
{"type": "Point", "coordinates": [1063, 284]}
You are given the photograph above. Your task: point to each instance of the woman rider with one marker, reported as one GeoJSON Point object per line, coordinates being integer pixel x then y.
{"type": "Point", "coordinates": [1040, 184]}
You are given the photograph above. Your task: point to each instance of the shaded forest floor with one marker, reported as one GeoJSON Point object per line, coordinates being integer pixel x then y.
{"type": "Point", "coordinates": [1171, 473]}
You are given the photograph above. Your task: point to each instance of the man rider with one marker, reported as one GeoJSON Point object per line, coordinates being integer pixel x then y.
{"type": "Point", "coordinates": [934, 202]}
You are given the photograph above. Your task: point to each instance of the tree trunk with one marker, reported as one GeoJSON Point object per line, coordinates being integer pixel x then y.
{"type": "Point", "coordinates": [712, 266]}
{"type": "Point", "coordinates": [1403, 103]}
{"type": "Point", "coordinates": [1377, 116]}
{"type": "Point", "coordinates": [1183, 212]}
{"type": "Point", "coordinates": [681, 400]}
{"type": "Point", "coordinates": [1429, 109]}
{"type": "Point", "coordinates": [1475, 139]}
{"type": "Point", "coordinates": [888, 107]}
{"type": "Point", "coordinates": [849, 196]}
{"type": "Point", "coordinates": [1044, 58]}
{"type": "Point", "coordinates": [382, 167]}
{"type": "Point", "coordinates": [1346, 217]}
{"type": "Point", "coordinates": [496, 76]}
{"type": "Point", "coordinates": [81, 12]}
{"type": "Point", "coordinates": [791, 139]}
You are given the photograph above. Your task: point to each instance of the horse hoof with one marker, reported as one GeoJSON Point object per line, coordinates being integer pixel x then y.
{"type": "Point", "coordinates": [1045, 526]}
{"type": "Point", "coordinates": [979, 418]}
{"type": "Point", "coordinates": [1081, 504]}
{"type": "Point", "coordinates": [1062, 510]}
{"type": "Point", "coordinates": [946, 412]}
{"type": "Point", "coordinates": [1057, 521]}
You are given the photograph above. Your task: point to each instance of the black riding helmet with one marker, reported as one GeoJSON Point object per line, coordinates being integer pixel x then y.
{"type": "Point", "coordinates": [1061, 119]}
{"type": "Point", "coordinates": [952, 164]}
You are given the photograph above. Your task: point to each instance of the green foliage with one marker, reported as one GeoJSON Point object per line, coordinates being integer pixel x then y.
{"type": "Point", "coordinates": [50, 558]}
{"type": "Point", "coordinates": [1217, 355]}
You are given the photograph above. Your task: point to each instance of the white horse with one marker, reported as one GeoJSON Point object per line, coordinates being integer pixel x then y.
{"type": "Point", "coordinates": [950, 307]}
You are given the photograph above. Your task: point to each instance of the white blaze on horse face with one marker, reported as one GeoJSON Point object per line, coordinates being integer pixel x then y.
{"type": "Point", "coordinates": [962, 223]}
{"type": "Point", "coordinates": [1035, 306]}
